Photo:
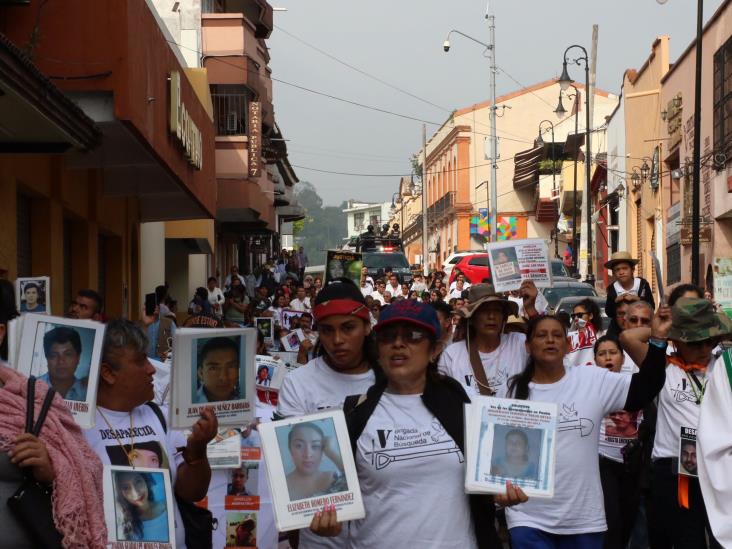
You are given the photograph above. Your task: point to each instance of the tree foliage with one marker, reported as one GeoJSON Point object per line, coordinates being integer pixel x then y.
{"type": "Point", "coordinates": [323, 228]}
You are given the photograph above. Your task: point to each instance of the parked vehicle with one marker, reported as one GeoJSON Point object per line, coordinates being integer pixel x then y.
{"type": "Point", "coordinates": [564, 288]}
{"type": "Point", "coordinates": [475, 267]}
{"type": "Point", "coordinates": [452, 260]}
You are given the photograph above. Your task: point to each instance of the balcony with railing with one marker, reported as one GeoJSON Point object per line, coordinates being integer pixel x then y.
{"type": "Point", "coordinates": [230, 112]}
{"type": "Point", "coordinates": [442, 207]}
{"type": "Point", "coordinates": [413, 230]}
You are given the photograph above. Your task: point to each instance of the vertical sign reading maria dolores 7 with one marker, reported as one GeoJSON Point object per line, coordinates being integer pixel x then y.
{"type": "Point", "coordinates": [255, 138]}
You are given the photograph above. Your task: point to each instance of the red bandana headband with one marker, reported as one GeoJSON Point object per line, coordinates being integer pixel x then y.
{"type": "Point", "coordinates": [341, 307]}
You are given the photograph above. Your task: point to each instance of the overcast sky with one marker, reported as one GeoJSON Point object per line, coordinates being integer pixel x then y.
{"type": "Point", "coordinates": [400, 42]}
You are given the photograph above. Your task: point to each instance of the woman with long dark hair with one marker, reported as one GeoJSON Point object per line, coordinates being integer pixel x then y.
{"type": "Point", "coordinates": [142, 516]}
{"type": "Point", "coordinates": [574, 517]}
{"type": "Point", "coordinates": [407, 438]}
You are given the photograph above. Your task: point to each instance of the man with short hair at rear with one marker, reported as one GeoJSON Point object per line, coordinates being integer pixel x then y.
{"type": "Point", "coordinates": [88, 305]}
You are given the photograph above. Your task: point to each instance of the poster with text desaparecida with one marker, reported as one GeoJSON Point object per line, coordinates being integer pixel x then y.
{"type": "Point", "coordinates": [310, 465]}
{"type": "Point", "coordinates": [510, 440]}
{"type": "Point", "coordinates": [138, 508]}
{"type": "Point", "coordinates": [64, 353]}
{"type": "Point", "coordinates": [213, 368]}
{"type": "Point", "coordinates": [514, 261]}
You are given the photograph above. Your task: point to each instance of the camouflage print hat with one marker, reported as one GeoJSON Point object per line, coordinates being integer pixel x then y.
{"type": "Point", "coordinates": [694, 319]}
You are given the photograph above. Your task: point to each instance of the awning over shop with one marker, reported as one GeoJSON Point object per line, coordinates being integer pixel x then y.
{"type": "Point", "coordinates": [35, 116]}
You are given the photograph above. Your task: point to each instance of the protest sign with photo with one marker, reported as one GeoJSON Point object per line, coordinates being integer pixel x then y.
{"type": "Point", "coordinates": [224, 451]}
{"type": "Point", "coordinates": [270, 372]}
{"type": "Point", "coordinates": [287, 318]}
{"type": "Point", "coordinates": [266, 326]}
{"type": "Point", "coordinates": [687, 452]}
{"type": "Point", "coordinates": [33, 294]}
{"type": "Point", "coordinates": [216, 368]}
{"type": "Point", "coordinates": [510, 440]}
{"type": "Point", "coordinates": [514, 261]}
{"type": "Point", "coordinates": [310, 465]}
{"type": "Point", "coordinates": [65, 353]}
{"type": "Point", "coordinates": [138, 507]}
{"type": "Point", "coordinates": [341, 264]}
{"type": "Point", "coordinates": [291, 341]}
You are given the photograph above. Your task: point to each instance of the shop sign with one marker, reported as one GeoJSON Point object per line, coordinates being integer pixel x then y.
{"type": "Point", "coordinates": [182, 126]}
{"type": "Point", "coordinates": [255, 139]}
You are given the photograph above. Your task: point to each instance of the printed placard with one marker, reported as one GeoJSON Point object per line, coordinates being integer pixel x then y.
{"type": "Point", "coordinates": [510, 440]}
{"type": "Point", "coordinates": [290, 318]}
{"type": "Point", "coordinates": [514, 261]}
{"type": "Point", "coordinates": [224, 451]}
{"type": "Point", "coordinates": [241, 530]}
{"type": "Point", "coordinates": [341, 264]}
{"type": "Point", "coordinates": [288, 358]}
{"type": "Point", "coordinates": [266, 326]}
{"type": "Point", "coordinates": [138, 508]}
{"type": "Point", "coordinates": [291, 342]}
{"type": "Point", "coordinates": [65, 353]}
{"type": "Point", "coordinates": [301, 482]}
{"type": "Point", "coordinates": [33, 295]}
{"type": "Point", "coordinates": [213, 368]}
{"type": "Point", "coordinates": [687, 452]}
{"type": "Point", "coordinates": [270, 372]}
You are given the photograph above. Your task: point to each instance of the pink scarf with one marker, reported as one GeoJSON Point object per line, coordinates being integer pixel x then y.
{"type": "Point", "coordinates": [78, 511]}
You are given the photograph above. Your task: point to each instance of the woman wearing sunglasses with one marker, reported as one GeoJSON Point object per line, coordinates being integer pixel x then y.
{"type": "Point", "coordinates": [407, 439]}
{"type": "Point", "coordinates": [677, 500]}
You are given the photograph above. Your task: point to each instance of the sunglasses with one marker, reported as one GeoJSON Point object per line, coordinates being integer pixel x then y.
{"type": "Point", "coordinates": [575, 315]}
{"type": "Point", "coordinates": [408, 335]}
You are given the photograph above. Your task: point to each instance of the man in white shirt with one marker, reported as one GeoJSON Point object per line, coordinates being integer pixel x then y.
{"type": "Point", "coordinates": [459, 282]}
{"type": "Point", "coordinates": [394, 288]}
{"type": "Point", "coordinates": [129, 429]}
{"type": "Point", "coordinates": [378, 294]}
{"type": "Point", "coordinates": [301, 302]}
{"type": "Point", "coordinates": [418, 284]}
{"type": "Point", "coordinates": [215, 297]}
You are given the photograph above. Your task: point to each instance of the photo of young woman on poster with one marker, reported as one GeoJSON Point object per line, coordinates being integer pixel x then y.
{"type": "Point", "coordinates": [142, 514]}
{"type": "Point", "coordinates": [307, 474]}
{"type": "Point", "coordinates": [517, 457]}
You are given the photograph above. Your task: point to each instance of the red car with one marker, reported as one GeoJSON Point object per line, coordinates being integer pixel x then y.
{"type": "Point", "coordinates": [474, 267]}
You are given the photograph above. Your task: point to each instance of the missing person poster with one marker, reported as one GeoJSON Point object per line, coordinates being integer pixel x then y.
{"type": "Point", "coordinates": [64, 353]}
{"type": "Point", "coordinates": [213, 368]}
{"type": "Point", "coordinates": [33, 294]}
{"type": "Point", "coordinates": [514, 261]}
{"type": "Point", "coordinates": [510, 440]}
{"type": "Point", "coordinates": [291, 341]}
{"type": "Point", "coordinates": [266, 326]}
{"type": "Point", "coordinates": [341, 264]}
{"type": "Point", "coordinates": [310, 465]}
{"type": "Point", "coordinates": [687, 452]}
{"type": "Point", "coordinates": [291, 319]}
{"type": "Point", "coordinates": [138, 508]}
{"type": "Point", "coordinates": [270, 373]}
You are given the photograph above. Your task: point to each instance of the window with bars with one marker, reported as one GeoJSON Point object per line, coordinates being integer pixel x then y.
{"type": "Point", "coordinates": [673, 264]}
{"type": "Point", "coordinates": [230, 105]}
{"type": "Point", "coordinates": [723, 102]}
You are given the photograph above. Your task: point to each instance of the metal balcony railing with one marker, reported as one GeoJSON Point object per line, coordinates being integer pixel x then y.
{"type": "Point", "coordinates": [230, 113]}
{"type": "Point", "coordinates": [443, 206]}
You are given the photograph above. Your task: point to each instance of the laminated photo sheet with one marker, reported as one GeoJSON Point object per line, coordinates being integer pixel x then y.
{"type": "Point", "coordinates": [510, 440]}
{"type": "Point", "coordinates": [265, 324]}
{"type": "Point", "coordinates": [341, 263]}
{"type": "Point", "coordinates": [687, 452]}
{"type": "Point", "coordinates": [65, 353]}
{"type": "Point", "coordinates": [127, 491]}
{"type": "Point", "coordinates": [514, 261]}
{"type": "Point", "coordinates": [288, 358]}
{"type": "Point", "coordinates": [33, 294]}
{"type": "Point", "coordinates": [291, 341]}
{"type": "Point", "coordinates": [288, 315]}
{"type": "Point", "coordinates": [315, 448]}
{"type": "Point", "coordinates": [275, 373]}
{"type": "Point", "coordinates": [213, 368]}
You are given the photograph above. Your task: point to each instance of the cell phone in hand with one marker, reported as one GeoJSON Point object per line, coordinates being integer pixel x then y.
{"type": "Point", "coordinates": [151, 301]}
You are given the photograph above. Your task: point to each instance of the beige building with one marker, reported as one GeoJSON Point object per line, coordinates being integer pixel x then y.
{"type": "Point", "coordinates": [458, 174]}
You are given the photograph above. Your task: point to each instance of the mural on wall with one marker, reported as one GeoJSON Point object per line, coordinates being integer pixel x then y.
{"type": "Point", "coordinates": [508, 227]}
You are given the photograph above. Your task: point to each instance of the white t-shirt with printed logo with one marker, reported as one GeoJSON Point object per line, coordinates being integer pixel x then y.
{"type": "Point", "coordinates": [406, 458]}
{"type": "Point", "coordinates": [148, 437]}
{"type": "Point", "coordinates": [585, 395]}
{"type": "Point", "coordinates": [677, 408]}
{"type": "Point", "coordinates": [506, 361]}
{"type": "Point", "coordinates": [313, 388]}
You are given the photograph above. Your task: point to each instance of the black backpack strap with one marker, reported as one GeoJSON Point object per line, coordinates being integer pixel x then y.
{"type": "Point", "coordinates": [351, 402]}
{"type": "Point", "coordinates": [158, 412]}
{"type": "Point", "coordinates": [44, 411]}
{"type": "Point", "coordinates": [30, 400]}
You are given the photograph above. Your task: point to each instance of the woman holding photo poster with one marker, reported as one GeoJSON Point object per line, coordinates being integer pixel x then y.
{"type": "Point", "coordinates": [574, 517]}
{"type": "Point", "coordinates": [407, 435]}
{"type": "Point", "coordinates": [484, 362]}
{"type": "Point", "coordinates": [344, 367]}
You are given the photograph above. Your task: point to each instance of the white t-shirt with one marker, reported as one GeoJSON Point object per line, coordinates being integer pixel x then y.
{"type": "Point", "coordinates": [367, 290]}
{"type": "Point", "coordinates": [509, 359]}
{"type": "Point", "coordinates": [395, 292]}
{"type": "Point", "coordinates": [313, 388]}
{"type": "Point", "coordinates": [457, 293]}
{"type": "Point", "coordinates": [216, 296]}
{"type": "Point", "coordinates": [146, 432]}
{"type": "Point", "coordinates": [302, 306]}
{"type": "Point", "coordinates": [677, 408]}
{"type": "Point", "coordinates": [412, 475]}
{"type": "Point", "coordinates": [378, 297]}
{"type": "Point", "coordinates": [466, 285]}
{"type": "Point", "coordinates": [584, 396]}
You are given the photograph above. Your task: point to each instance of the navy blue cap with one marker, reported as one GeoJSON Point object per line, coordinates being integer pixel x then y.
{"type": "Point", "coordinates": [414, 312]}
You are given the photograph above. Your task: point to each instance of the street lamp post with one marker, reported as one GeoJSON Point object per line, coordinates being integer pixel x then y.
{"type": "Point", "coordinates": [565, 81]}
{"type": "Point", "coordinates": [561, 111]}
{"type": "Point", "coordinates": [494, 137]}
{"type": "Point", "coordinates": [540, 143]}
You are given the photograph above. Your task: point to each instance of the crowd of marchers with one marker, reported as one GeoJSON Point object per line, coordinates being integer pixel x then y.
{"type": "Point", "coordinates": [412, 355]}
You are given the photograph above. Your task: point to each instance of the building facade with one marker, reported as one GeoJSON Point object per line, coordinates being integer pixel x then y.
{"type": "Point", "coordinates": [359, 215]}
